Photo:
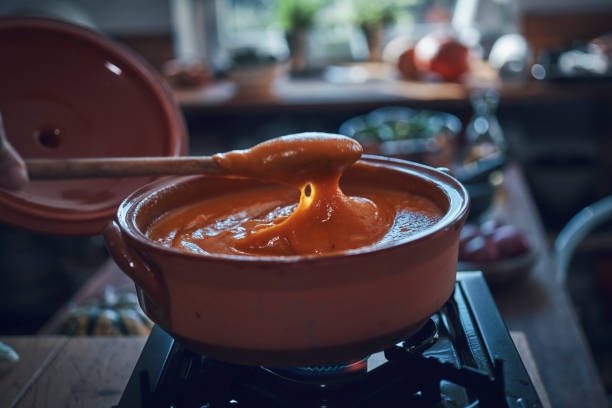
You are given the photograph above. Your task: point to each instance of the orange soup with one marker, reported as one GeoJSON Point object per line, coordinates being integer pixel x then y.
{"type": "Point", "coordinates": [307, 213]}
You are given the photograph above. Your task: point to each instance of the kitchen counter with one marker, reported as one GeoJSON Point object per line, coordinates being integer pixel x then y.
{"type": "Point", "coordinates": [540, 307]}
{"type": "Point", "coordinates": [537, 306]}
{"type": "Point", "coordinates": [60, 371]}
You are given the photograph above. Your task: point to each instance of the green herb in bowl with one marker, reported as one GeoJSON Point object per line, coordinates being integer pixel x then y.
{"type": "Point", "coordinates": [423, 136]}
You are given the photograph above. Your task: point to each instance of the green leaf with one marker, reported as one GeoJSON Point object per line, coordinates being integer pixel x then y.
{"type": "Point", "coordinates": [296, 15]}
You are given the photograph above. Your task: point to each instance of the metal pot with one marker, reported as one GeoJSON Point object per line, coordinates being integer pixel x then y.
{"type": "Point", "coordinates": [298, 310]}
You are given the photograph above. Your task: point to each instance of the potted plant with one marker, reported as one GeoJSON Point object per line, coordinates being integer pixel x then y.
{"type": "Point", "coordinates": [253, 71]}
{"type": "Point", "coordinates": [296, 17]}
{"type": "Point", "coordinates": [372, 17]}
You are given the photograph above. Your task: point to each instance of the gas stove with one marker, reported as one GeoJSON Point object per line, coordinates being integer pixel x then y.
{"type": "Point", "coordinates": [462, 357]}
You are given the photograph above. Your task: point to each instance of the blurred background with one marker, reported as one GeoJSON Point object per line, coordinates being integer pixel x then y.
{"type": "Point", "coordinates": [444, 82]}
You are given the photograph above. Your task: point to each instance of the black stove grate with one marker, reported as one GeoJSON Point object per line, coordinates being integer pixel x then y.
{"type": "Point", "coordinates": [466, 360]}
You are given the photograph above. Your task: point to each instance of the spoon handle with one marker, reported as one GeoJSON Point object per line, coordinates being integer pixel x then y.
{"type": "Point", "coordinates": [46, 169]}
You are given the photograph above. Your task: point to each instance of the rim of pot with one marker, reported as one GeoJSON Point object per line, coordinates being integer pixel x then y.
{"type": "Point", "coordinates": [455, 193]}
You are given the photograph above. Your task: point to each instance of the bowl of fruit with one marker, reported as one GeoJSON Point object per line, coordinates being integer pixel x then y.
{"type": "Point", "coordinates": [501, 251]}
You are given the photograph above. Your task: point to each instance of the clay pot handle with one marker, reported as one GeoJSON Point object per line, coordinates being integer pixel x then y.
{"type": "Point", "coordinates": [134, 266]}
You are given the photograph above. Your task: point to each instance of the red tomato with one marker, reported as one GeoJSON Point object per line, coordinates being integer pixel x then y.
{"type": "Point", "coordinates": [441, 54]}
{"type": "Point", "coordinates": [405, 64]}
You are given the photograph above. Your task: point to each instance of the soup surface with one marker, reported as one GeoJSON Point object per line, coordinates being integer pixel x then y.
{"type": "Point", "coordinates": [307, 214]}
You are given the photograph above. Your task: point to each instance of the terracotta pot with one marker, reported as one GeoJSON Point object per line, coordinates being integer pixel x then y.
{"type": "Point", "coordinates": [299, 310]}
{"type": "Point", "coordinates": [256, 81]}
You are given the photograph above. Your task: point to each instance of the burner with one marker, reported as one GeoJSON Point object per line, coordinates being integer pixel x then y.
{"type": "Point", "coordinates": [322, 374]}
{"type": "Point", "coordinates": [462, 357]}
{"type": "Point", "coordinates": [337, 373]}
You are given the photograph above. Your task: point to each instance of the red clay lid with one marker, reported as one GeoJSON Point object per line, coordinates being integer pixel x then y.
{"type": "Point", "coordinates": [70, 92]}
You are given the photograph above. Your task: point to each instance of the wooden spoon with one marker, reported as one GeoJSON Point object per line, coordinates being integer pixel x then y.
{"type": "Point", "coordinates": [46, 169]}
{"type": "Point", "coordinates": [302, 156]}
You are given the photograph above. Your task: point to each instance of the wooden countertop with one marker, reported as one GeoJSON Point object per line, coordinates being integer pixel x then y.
{"type": "Point", "coordinates": [59, 371]}
{"type": "Point", "coordinates": [382, 88]}
{"type": "Point", "coordinates": [91, 372]}
{"type": "Point", "coordinates": [538, 306]}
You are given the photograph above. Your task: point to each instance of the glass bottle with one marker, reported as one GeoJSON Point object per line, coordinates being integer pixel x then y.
{"type": "Point", "coordinates": [484, 136]}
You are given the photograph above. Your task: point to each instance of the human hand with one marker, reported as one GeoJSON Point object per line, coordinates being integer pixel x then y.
{"type": "Point", "coordinates": [13, 174]}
